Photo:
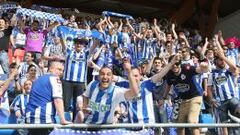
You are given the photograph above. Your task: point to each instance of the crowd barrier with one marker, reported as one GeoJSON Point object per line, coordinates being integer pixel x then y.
{"type": "Point", "coordinates": [112, 126]}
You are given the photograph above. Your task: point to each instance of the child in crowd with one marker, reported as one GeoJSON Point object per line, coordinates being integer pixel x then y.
{"type": "Point", "coordinates": [19, 104]}
{"type": "Point", "coordinates": [80, 116]}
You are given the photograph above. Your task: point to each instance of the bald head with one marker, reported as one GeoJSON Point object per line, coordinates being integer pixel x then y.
{"type": "Point", "coordinates": [56, 68]}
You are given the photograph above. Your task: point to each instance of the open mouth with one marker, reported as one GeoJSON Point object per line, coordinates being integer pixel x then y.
{"type": "Point", "coordinates": [105, 81]}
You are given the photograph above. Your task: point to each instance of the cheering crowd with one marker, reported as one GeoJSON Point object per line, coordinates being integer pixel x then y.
{"type": "Point", "coordinates": [124, 71]}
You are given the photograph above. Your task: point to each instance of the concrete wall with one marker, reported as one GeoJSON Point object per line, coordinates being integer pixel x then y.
{"type": "Point", "coordinates": [230, 25]}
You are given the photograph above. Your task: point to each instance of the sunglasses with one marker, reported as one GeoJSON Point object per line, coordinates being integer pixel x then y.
{"type": "Point", "coordinates": [178, 64]}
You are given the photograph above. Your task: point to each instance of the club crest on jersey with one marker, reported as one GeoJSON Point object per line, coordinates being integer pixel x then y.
{"type": "Point", "coordinates": [221, 80]}
{"type": "Point", "coordinates": [139, 97]}
{"type": "Point", "coordinates": [34, 36]}
{"type": "Point", "coordinates": [183, 77]}
{"type": "Point", "coordinates": [58, 80]}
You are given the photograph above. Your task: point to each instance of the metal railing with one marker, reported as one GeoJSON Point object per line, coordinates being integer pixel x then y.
{"type": "Point", "coordinates": [84, 126]}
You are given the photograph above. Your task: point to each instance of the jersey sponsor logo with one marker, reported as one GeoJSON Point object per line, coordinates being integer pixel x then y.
{"type": "Point", "coordinates": [34, 36]}
{"type": "Point", "coordinates": [183, 77]}
{"type": "Point", "coordinates": [78, 59]}
{"type": "Point", "coordinates": [181, 87]}
{"type": "Point", "coordinates": [221, 80]}
{"type": "Point", "coordinates": [139, 97]}
{"type": "Point", "coordinates": [99, 107]}
{"type": "Point", "coordinates": [59, 81]}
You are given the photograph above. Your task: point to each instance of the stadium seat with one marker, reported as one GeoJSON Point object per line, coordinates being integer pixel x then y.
{"type": "Point", "coordinates": [68, 117]}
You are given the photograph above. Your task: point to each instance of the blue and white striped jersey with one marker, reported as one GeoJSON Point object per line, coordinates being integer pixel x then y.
{"type": "Point", "coordinates": [20, 103]}
{"type": "Point", "coordinates": [223, 84]}
{"type": "Point", "coordinates": [232, 54]}
{"type": "Point", "coordinates": [141, 107]}
{"type": "Point", "coordinates": [4, 102]}
{"type": "Point", "coordinates": [75, 66]}
{"type": "Point", "coordinates": [149, 48]}
{"type": "Point", "coordinates": [4, 106]}
{"type": "Point", "coordinates": [41, 108]}
{"type": "Point", "coordinates": [103, 102]}
{"type": "Point", "coordinates": [22, 71]}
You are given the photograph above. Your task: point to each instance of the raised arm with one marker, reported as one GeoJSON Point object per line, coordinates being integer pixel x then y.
{"type": "Point", "coordinates": [96, 55]}
{"type": "Point", "coordinates": [158, 77]}
{"type": "Point", "coordinates": [149, 66]}
{"type": "Point", "coordinates": [110, 22]}
{"type": "Point", "coordinates": [99, 25]}
{"type": "Point", "coordinates": [204, 48]}
{"type": "Point", "coordinates": [5, 85]}
{"type": "Point", "coordinates": [22, 24]}
{"type": "Point", "coordinates": [216, 42]}
{"type": "Point", "coordinates": [232, 66]}
{"type": "Point", "coordinates": [220, 38]}
{"type": "Point", "coordinates": [120, 26]}
{"type": "Point", "coordinates": [174, 32]}
{"type": "Point", "coordinates": [55, 24]}
{"type": "Point", "coordinates": [92, 64]}
{"type": "Point", "coordinates": [133, 89]}
{"type": "Point", "coordinates": [182, 36]}
{"type": "Point", "coordinates": [132, 29]}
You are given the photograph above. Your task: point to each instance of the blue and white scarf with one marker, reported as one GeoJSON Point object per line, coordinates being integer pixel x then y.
{"type": "Point", "coordinates": [108, 13]}
{"type": "Point", "coordinates": [39, 15]}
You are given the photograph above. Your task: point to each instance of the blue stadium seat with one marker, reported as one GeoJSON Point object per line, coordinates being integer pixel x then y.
{"type": "Point", "coordinates": [68, 116]}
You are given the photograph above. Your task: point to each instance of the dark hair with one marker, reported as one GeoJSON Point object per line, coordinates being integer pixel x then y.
{"type": "Point", "coordinates": [106, 67]}
{"type": "Point", "coordinates": [171, 57]}
{"type": "Point", "coordinates": [32, 55]}
{"type": "Point", "coordinates": [13, 65]}
{"type": "Point", "coordinates": [168, 42]}
{"type": "Point", "coordinates": [35, 21]}
{"type": "Point", "coordinates": [157, 58]}
{"type": "Point", "coordinates": [30, 66]}
{"type": "Point", "coordinates": [168, 32]}
{"type": "Point", "coordinates": [81, 41]}
{"type": "Point", "coordinates": [137, 68]}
